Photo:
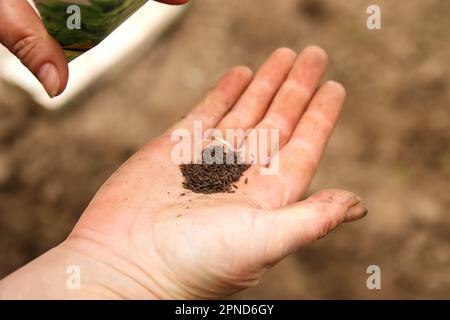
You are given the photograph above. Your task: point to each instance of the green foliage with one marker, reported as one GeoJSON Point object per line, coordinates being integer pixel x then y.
{"type": "Point", "coordinates": [98, 19]}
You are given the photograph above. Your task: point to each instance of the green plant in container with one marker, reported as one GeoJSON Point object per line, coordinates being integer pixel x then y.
{"type": "Point", "coordinates": [98, 19]}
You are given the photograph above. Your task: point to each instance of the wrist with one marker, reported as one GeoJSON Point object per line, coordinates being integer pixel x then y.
{"type": "Point", "coordinates": [76, 269]}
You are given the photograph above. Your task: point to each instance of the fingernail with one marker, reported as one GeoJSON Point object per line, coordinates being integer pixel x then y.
{"type": "Point", "coordinates": [356, 212]}
{"type": "Point", "coordinates": [49, 77]}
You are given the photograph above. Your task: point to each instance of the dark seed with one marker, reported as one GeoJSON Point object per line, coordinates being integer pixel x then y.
{"type": "Point", "coordinates": [210, 177]}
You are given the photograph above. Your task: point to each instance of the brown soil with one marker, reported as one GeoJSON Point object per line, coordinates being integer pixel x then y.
{"type": "Point", "coordinates": [391, 147]}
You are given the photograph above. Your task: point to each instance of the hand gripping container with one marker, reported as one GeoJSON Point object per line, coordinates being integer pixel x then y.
{"type": "Point", "coordinates": [79, 25]}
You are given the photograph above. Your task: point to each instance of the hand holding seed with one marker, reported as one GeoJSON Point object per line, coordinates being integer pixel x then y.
{"type": "Point", "coordinates": [165, 241]}
{"type": "Point", "coordinates": [22, 33]}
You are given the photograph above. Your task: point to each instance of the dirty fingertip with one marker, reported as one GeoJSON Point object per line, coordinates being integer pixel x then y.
{"type": "Point", "coordinates": [356, 212]}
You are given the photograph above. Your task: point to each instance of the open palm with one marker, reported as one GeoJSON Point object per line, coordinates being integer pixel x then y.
{"type": "Point", "coordinates": [180, 244]}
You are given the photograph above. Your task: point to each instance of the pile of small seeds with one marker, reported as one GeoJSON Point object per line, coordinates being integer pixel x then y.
{"type": "Point", "coordinates": [210, 176]}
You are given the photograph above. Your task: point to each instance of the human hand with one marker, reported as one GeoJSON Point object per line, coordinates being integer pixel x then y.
{"type": "Point", "coordinates": [208, 246]}
{"type": "Point", "coordinates": [22, 33]}
{"type": "Point", "coordinates": [141, 238]}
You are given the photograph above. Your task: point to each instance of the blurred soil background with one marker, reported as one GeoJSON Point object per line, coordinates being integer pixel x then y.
{"type": "Point", "coordinates": [392, 145]}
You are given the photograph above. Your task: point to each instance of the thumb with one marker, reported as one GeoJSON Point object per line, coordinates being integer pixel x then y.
{"type": "Point", "coordinates": [22, 32]}
{"type": "Point", "coordinates": [304, 222]}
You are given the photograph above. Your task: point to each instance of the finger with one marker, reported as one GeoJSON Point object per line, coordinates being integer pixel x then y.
{"type": "Point", "coordinates": [218, 101]}
{"type": "Point", "coordinates": [22, 32]}
{"type": "Point", "coordinates": [295, 93]}
{"type": "Point", "coordinates": [304, 222]}
{"type": "Point", "coordinates": [251, 107]}
{"type": "Point", "coordinates": [300, 157]}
